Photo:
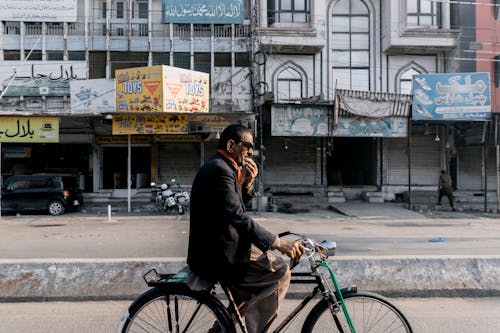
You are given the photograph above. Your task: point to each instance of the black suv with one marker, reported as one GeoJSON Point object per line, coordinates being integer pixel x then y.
{"type": "Point", "coordinates": [39, 192]}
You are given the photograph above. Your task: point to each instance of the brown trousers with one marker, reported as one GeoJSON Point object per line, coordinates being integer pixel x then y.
{"type": "Point", "coordinates": [263, 290]}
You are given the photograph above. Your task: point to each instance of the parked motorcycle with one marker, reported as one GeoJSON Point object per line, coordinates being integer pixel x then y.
{"type": "Point", "coordinates": [170, 200]}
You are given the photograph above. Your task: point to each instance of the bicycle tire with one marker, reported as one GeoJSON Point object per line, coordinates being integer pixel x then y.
{"type": "Point", "coordinates": [369, 313]}
{"type": "Point", "coordinates": [161, 310]}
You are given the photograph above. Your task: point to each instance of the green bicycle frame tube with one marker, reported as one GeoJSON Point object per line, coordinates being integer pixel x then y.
{"type": "Point", "coordinates": [337, 289]}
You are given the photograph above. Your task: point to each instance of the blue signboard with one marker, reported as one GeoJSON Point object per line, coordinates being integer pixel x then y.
{"type": "Point", "coordinates": [451, 96]}
{"type": "Point", "coordinates": [203, 11]}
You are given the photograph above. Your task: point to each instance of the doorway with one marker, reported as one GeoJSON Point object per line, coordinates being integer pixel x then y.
{"type": "Point", "coordinates": [115, 167]}
{"type": "Point", "coordinates": [352, 162]}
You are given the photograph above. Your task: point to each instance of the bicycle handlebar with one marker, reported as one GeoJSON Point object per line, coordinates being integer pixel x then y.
{"type": "Point", "coordinates": [324, 248]}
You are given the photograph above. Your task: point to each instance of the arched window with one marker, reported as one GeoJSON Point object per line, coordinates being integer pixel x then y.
{"type": "Point", "coordinates": [288, 85]}
{"type": "Point", "coordinates": [405, 80]}
{"type": "Point", "coordinates": [351, 45]}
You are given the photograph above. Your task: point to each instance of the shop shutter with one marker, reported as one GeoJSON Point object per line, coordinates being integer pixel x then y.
{"type": "Point", "coordinates": [179, 160]}
{"type": "Point", "coordinates": [469, 168]}
{"type": "Point", "coordinates": [395, 161]}
{"type": "Point", "coordinates": [425, 162]}
{"type": "Point", "coordinates": [492, 174]}
{"type": "Point", "coordinates": [290, 161]}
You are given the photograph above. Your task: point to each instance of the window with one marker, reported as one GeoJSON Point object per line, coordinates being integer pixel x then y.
{"type": "Point", "coordinates": [497, 71]}
{"type": "Point", "coordinates": [11, 55]}
{"type": "Point", "coordinates": [289, 85]}
{"type": "Point", "coordinates": [288, 11]}
{"type": "Point", "coordinates": [143, 10]}
{"type": "Point", "coordinates": [497, 9]}
{"type": "Point", "coordinates": [405, 80]}
{"type": "Point", "coordinates": [35, 55]}
{"type": "Point", "coordinates": [55, 55]}
{"type": "Point", "coordinates": [202, 62]}
{"type": "Point", "coordinates": [182, 60]}
{"type": "Point", "coordinates": [76, 55]}
{"type": "Point", "coordinates": [422, 13]}
{"type": "Point", "coordinates": [350, 40]}
{"type": "Point", "coordinates": [103, 10]}
{"type": "Point", "coordinates": [119, 10]}
{"type": "Point", "coordinates": [222, 59]}
{"type": "Point", "coordinates": [161, 58]}
{"type": "Point", "coordinates": [241, 60]}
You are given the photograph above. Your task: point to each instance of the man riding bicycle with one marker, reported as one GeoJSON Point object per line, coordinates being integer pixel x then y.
{"type": "Point", "coordinates": [227, 245]}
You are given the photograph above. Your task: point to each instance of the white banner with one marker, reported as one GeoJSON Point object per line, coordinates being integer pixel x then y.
{"type": "Point", "coordinates": [38, 11]}
{"type": "Point", "coordinates": [39, 78]}
{"type": "Point", "coordinates": [93, 96]}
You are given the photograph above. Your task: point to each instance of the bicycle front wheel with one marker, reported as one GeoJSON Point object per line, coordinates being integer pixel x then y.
{"type": "Point", "coordinates": [187, 311]}
{"type": "Point", "coordinates": [369, 313]}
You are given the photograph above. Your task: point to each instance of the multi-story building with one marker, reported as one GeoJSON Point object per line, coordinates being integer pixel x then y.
{"type": "Point", "coordinates": [326, 85]}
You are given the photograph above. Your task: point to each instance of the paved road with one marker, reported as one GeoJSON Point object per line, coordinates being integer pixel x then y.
{"type": "Point", "coordinates": [382, 247]}
{"type": "Point", "coordinates": [426, 315]}
{"type": "Point", "coordinates": [148, 236]}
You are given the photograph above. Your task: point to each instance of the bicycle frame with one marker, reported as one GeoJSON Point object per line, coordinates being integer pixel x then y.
{"type": "Point", "coordinates": [311, 278]}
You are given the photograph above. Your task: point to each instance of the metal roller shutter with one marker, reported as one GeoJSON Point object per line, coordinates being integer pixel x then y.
{"type": "Point", "coordinates": [469, 168]}
{"type": "Point", "coordinates": [395, 161]}
{"type": "Point", "coordinates": [290, 161]}
{"type": "Point", "coordinates": [179, 160]}
{"type": "Point", "coordinates": [425, 162]}
{"type": "Point", "coordinates": [492, 174]}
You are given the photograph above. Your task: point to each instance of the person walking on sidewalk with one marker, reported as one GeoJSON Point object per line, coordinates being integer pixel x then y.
{"type": "Point", "coordinates": [226, 244]}
{"type": "Point", "coordinates": [445, 188]}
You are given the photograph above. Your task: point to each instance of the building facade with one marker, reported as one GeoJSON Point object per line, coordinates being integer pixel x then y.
{"type": "Point", "coordinates": [325, 84]}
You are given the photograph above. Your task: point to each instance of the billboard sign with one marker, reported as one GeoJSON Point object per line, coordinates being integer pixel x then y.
{"type": "Point", "coordinates": [204, 12]}
{"type": "Point", "coordinates": [314, 120]}
{"type": "Point", "coordinates": [29, 129]}
{"type": "Point", "coordinates": [161, 89]}
{"type": "Point", "coordinates": [93, 96]}
{"type": "Point", "coordinates": [40, 78]}
{"type": "Point", "coordinates": [150, 124]}
{"type": "Point", "coordinates": [451, 96]}
{"type": "Point", "coordinates": [38, 11]}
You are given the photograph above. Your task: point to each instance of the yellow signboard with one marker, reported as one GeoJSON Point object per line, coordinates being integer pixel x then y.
{"type": "Point", "coordinates": [161, 89]}
{"type": "Point", "coordinates": [122, 139]}
{"type": "Point", "coordinates": [29, 129]}
{"type": "Point", "coordinates": [150, 124]}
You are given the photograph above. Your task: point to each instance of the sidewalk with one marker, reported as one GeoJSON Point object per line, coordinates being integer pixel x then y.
{"type": "Point", "coordinates": [380, 247]}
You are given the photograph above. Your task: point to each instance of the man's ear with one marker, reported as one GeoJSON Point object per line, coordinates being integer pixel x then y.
{"type": "Point", "coordinates": [230, 146]}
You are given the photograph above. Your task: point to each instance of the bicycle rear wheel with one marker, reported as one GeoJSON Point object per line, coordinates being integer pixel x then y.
{"type": "Point", "coordinates": [180, 311]}
{"type": "Point", "coordinates": [369, 313]}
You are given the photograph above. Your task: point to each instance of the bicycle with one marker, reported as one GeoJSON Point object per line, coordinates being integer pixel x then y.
{"type": "Point", "coordinates": [171, 306]}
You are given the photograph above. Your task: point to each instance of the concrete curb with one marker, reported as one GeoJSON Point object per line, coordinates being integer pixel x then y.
{"type": "Point", "coordinates": [105, 279]}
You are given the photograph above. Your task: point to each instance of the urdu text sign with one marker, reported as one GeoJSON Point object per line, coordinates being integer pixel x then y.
{"type": "Point", "coordinates": [452, 96]}
{"type": "Point", "coordinates": [29, 129]}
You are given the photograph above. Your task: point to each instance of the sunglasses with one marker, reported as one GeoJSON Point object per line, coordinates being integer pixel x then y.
{"type": "Point", "coordinates": [247, 145]}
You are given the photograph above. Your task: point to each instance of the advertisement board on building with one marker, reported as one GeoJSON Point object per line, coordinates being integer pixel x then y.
{"type": "Point", "coordinates": [451, 96]}
{"type": "Point", "coordinates": [29, 129]}
{"type": "Point", "coordinates": [93, 96]}
{"type": "Point", "coordinates": [314, 120]}
{"type": "Point", "coordinates": [161, 89]}
{"type": "Point", "coordinates": [150, 124]}
{"type": "Point", "coordinates": [40, 78]}
{"type": "Point", "coordinates": [204, 12]}
{"type": "Point", "coordinates": [38, 11]}
{"type": "Point", "coordinates": [206, 123]}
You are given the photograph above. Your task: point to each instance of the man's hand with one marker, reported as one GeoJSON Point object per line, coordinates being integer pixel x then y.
{"type": "Point", "coordinates": [251, 171]}
{"type": "Point", "coordinates": [291, 248]}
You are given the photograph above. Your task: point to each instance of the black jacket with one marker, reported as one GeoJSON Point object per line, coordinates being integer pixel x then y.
{"type": "Point", "coordinates": [221, 232]}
